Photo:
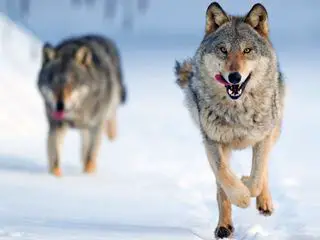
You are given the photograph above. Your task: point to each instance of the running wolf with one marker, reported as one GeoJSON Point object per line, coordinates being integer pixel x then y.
{"type": "Point", "coordinates": [81, 83]}
{"type": "Point", "coordinates": [235, 93]}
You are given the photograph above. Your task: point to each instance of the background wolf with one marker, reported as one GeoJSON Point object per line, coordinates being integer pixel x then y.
{"type": "Point", "coordinates": [81, 83]}
{"type": "Point", "coordinates": [234, 92]}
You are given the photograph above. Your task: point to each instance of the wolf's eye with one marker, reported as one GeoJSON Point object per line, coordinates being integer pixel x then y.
{"type": "Point", "coordinates": [223, 50]}
{"type": "Point", "coordinates": [247, 50]}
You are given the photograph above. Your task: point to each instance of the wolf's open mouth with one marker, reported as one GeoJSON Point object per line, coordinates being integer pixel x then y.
{"type": "Point", "coordinates": [235, 90]}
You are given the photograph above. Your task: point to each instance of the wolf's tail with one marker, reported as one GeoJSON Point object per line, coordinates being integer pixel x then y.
{"type": "Point", "coordinates": [183, 73]}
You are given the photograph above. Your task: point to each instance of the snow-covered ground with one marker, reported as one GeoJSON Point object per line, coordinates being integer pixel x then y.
{"type": "Point", "coordinates": [154, 181]}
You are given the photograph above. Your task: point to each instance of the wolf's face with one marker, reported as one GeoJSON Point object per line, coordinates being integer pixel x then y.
{"type": "Point", "coordinates": [234, 47]}
{"type": "Point", "coordinates": [63, 82]}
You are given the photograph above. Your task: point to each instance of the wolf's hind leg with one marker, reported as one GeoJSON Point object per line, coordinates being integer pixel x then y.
{"type": "Point", "coordinates": [91, 140]}
{"type": "Point", "coordinates": [236, 191]}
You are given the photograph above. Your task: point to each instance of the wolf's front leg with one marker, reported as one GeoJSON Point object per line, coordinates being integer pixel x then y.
{"type": "Point", "coordinates": [225, 226]}
{"type": "Point", "coordinates": [111, 127]}
{"type": "Point", "coordinates": [264, 200]}
{"type": "Point", "coordinates": [259, 169]}
{"type": "Point", "coordinates": [236, 191]}
{"type": "Point", "coordinates": [91, 140]}
{"type": "Point", "coordinates": [54, 143]}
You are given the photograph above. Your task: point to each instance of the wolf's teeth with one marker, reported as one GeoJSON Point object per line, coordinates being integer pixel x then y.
{"type": "Point", "coordinates": [234, 93]}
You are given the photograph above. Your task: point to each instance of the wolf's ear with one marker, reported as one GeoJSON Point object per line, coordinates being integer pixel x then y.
{"type": "Point", "coordinates": [84, 56]}
{"type": "Point", "coordinates": [258, 19]}
{"type": "Point", "coordinates": [48, 53]}
{"type": "Point", "coordinates": [215, 17]}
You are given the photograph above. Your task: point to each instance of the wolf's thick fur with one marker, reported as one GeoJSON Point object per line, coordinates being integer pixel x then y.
{"type": "Point", "coordinates": [81, 79]}
{"type": "Point", "coordinates": [236, 44]}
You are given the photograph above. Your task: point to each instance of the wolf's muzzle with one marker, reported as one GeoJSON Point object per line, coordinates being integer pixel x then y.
{"type": "Point", "coordinates": [58, 113]}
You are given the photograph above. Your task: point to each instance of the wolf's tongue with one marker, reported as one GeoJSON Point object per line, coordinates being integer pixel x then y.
{"type": "Point", "coordinates": [221, 80]}
{"type": "Point", "coordinates": [58, 115]}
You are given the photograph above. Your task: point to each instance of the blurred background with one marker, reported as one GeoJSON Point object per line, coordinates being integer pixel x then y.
{"type": "Point", "coordinates": [154, 181]}
{"type": "Point", "coordinates": [143, 23]}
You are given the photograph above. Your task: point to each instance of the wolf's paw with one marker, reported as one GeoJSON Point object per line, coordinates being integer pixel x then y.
{"type": "Point", "coordinates": [239, 196]}
{"type": "Point", "coordinates": [90, 167]}
{"type": "Point", "coordinates": [254, 188]}
{"type": "Point", "coordinates": [264, 204]}
{"type": "Point", "coordinates": [222, 232]}
{"type": "Point", "coordinates": [56, 172]}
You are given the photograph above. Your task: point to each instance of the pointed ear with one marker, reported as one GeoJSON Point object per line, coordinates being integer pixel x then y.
{"type": "Point", "coordinates": [215, 17]}
{"type": "Point", "coordinates": [48, 53]}
{"type": "Point", "coordinates": [84, 56]}
{"type": "Point", "coordinates": [258, 19]}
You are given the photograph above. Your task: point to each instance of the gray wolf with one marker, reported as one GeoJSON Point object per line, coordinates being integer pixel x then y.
{"type": "Point", "coordinates": [80, 81]}
{"type": "Point", "coordinates": [234, 91]}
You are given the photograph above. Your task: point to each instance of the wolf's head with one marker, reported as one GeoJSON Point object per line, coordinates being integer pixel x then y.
{"type": "Point", "coordinates": [236, 51]}
{"type": "Point", "coordinates": [63, 80]}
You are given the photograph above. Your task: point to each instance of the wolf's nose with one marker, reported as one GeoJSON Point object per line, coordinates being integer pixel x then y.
{"type": "Point", "coordinates": [234, 77]}
{"type": "Point", "coordinates": [60, 106]}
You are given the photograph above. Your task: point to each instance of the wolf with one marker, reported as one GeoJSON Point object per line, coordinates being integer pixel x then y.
{"type": "Point", "coordinates": [81, 84]}
{"type": "Point", "coordinates": [234, 91]}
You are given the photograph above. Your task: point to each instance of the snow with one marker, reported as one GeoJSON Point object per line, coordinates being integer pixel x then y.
{"type": "Point", "coordinates": [154, 181]}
